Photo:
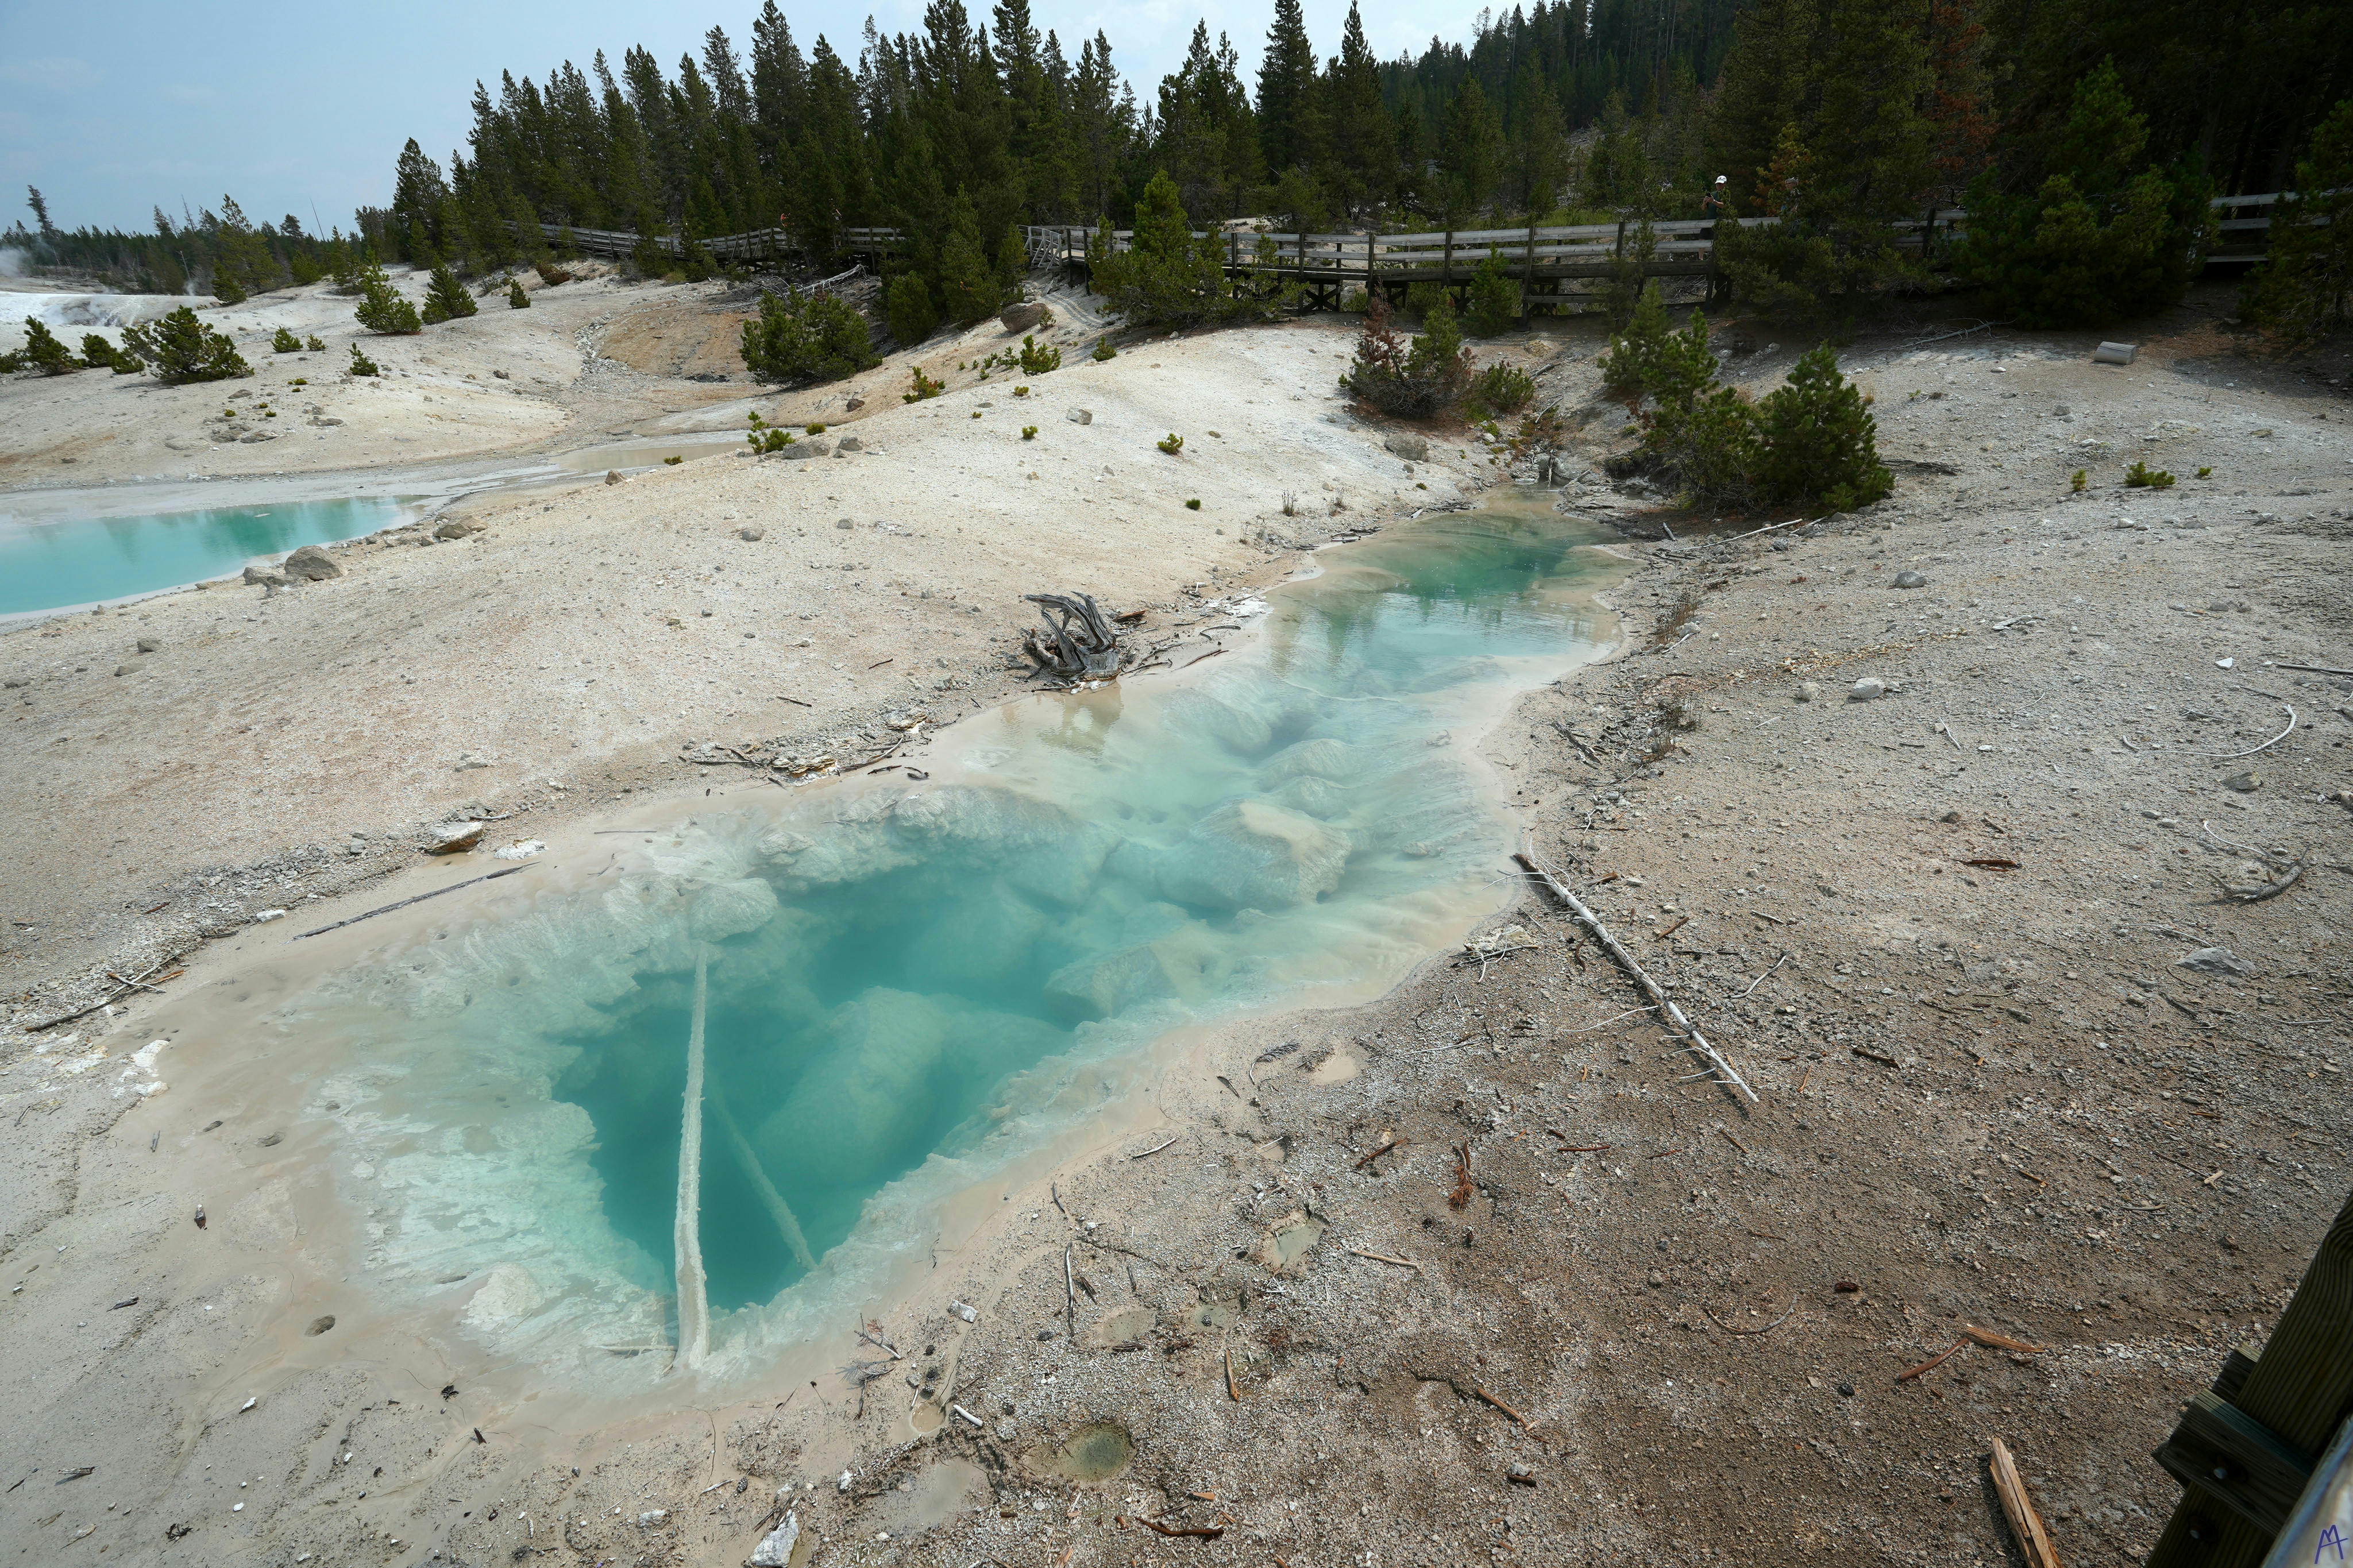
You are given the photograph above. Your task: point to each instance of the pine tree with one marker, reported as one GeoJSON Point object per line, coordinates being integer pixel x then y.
{"type": "Point", "coordinates": [1362, 139]}
{"type": "Point", "coordinates": [180, 348]}
{"type": "Point", "coordinates": [361, 364]}
{"type": "Point", "coordinates": [383, 308]}
{"type": "Point", "coordinates": [446, 298]}
{"type": "Point", "coordinates": [285, 342]}
{"type": "Point", "coordinates": [1819, 438]}
{"type": "Point", "coordinates": [969, 289]}
{"type": "Point", "coordinates": [43, 352]}
{"type": "Point", "coordinates": [1495, 300]}
{"type": "Point", "coordinates": [1469, 156]}
{"type": "Point", "coordinates": [1287, 116]}
{"type": "Point", "coordinates": [516, 298]}
{"type": "Point", "coordinates": [2303, 289]}
{"type": "Point", "coordinates": [907, 309]}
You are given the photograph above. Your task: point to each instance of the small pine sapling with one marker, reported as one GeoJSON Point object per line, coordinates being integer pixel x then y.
{"type": "Point", "coordinates": [315, 344]}
{"type": "Point", "coordinates": [43, 352]}
{"type": "Point", "coordinates": [383, 308]}
{"type": "Point", "coordinates": [446, 298]}
{"type": "Point", "coordinates": [1500, 389]}
{"type": "Point", "coordinates": [99, 354]}
{"type": "Point", "coordinates": [516, 298]}
{"type": "Point", "coordinates": [2140, 476]}
{"type": "Point", "coordinates": [1194, 504]}
{"type": "Point", "coordinates": [924, 386]}
{"type": "Point", "coordinates": [181, 348]}
{"type": "Point", "coordinates": [285, 342]}
{"type": "Point", "coordinates": [1029, 432]}
{"type": "Point", "coordinates": [814, 429]}
{"type": "Point", "coordinates": [767, 437]}
{"type": "Point", "coordinates": [1171, 444]}
{"type": "Point", "coordinates": [2205, 473]}
{"type": "Point", "coordinates": [1494, 298]}
{"type": "Point", "coordinates": [2080, 482]}
{"type": "Point", "coordinates": [1821, 439]}
{"type": "Point", "coordinates": [1036, 360]}
{"type": "Point", "coordinates": [673, 462]}
{"type": "Point", "coordinates": [362, 365]}
{"type": "Point", "coordinates": [1103, 351]}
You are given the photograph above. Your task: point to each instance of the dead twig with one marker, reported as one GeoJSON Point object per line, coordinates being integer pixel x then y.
{"type": "Point", "coordinates": [1992, 1341]}
{"type": "Point", "coordinates": [1761, 979]}
{"type": "Point", "coordinates": [387, 909]}
{"type": "Point", "coordinates": [1365, 1160]}
{"type": "Point", "coordinates": [1767, 1329]}
{"type": "Point", "coordinates": [2250, 751]}
{"type": "Point", "coordinates": [1930, 1364]}
{"type": "Point", "coordinates": [1525, 1425]}
{"type": "Point", "coordinates": [1385, 1258]}
{"type": "Point", "coordinates": [1206, 1531]}
{"type": "Point", "coordinates": [1156, 1147]}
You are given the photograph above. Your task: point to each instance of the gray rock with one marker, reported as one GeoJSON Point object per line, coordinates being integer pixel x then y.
{"type": "Point", "coordinates": [124, 668]}
{"type": "Point", "coordinates": [150, 644]}
{"type": "Point", "coordinates": [775, 1548]}
{"type": "Point", "coordinates": [2115, 354]}
{"type": "Point", "coordinates": [855, 404]}
{"type": "Point", "coordinates": [1025, 317]}
{"type": "Point", "coordinates": [850, 444]}
{"type": "Point", "coordinates": [312, 564]}
{"type": "Point", "coordinates": [2246, 783]}
{"type": "Point", "coordinates": [467, 762]}
{"type": "Point", "coordinates": [458, 528]}
{"type": "Point", "coordinates": [612, 475]}
{"type": "Point", "coordinates": [1405, 444]}
{"type": "Point", "coordinates": [1079, 416]}
{"type": "Point", "coordinates": [751, 532]}
{"type": "Point", "coordinates": [1870, 688]}
{"type": "Point", "coordinates": [265, 577]}
{"type": "Point", "coordinates": [807, 447]}
{"type": "Point", "coordinates": [843, 522]}
{"type": "Point", "coordinates": [1809, 692]}
{"type": "Point", "coordinates": [1910, 580]}
{"type": "Point", "coordinates": [2215, 961]}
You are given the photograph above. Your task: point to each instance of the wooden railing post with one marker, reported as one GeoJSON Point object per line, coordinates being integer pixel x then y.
{"type": "Point", "coordinates": [1528, 275]}
{"type": "Point", "coordinates": [1446, 268]}
{"type": "Point", "coordinates": [2239, 1452]}
{"type": "Point", "coordinates": [1368, 269]}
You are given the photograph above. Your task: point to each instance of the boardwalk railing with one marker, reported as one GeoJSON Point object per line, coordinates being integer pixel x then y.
{"type": "Point", "coordinates": [1327, 266]}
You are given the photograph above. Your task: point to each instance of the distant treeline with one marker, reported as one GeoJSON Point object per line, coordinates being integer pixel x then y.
{"type": "Point", "coordinates": [221, 253]}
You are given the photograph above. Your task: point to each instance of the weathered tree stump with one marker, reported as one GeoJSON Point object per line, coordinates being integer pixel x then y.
{"type": "Point", "coordinates": [1078, 640]}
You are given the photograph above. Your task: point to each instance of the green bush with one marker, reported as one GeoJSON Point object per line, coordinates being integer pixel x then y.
{"type": "Point", "coordinates": [924, 387]}
{"type": "Point", "coordinates": [43, 352]}
{"type": "Point", "coordinates": [1411, 380]}
{"type": "Point", "coordinates": [99, 354]}
{"type": "Point", "coordinates": [799, 336]}
{"type": "Point", "coordinates": [1036, 360]}
{"type": "Point", "coordinates": [285, 342]}
{"type": "Point", "coordinates": [2095, 240]}
{"type": "Point", "coordinates": [1421, 299]}
{"type": "Point", "coordinates": [1631, 363]}
{"type": "Point", "coordinates": [180, 348]}
{"type": "Point", "coordinates": [2140, 476]}
{"type": "Point", "coordinates": [1820, 439]}
{"type": "Point", "coordinates": [446, 298]}
{"type": "Point", "coordinates": [1494, 298]}
{"type": "Point", "coordinates": [315, 344]}
{"type": "Point", "coordinates": [1029, 432]}
{"type": "Point", "coordinates": [1171, 443]}
{"type": "Point", "coordinates": [1194, 504]}
{"type": "Point", "coordinates": [1103, 351]}
{"type": "Point", "coordinates": [383, 308]}
{"type": "Point", "coordinates": [907, 309]}
{"type": "Point", "coordinates": [362, 365]}
{"type": "Point", "coordinates": [2303, 289]}
{"type": "Point", "coordinates": [766, 437]}
{"type": "Point", "coordinates": [1499, 389]}
{"type": "Point", "coordinates": [516, 298]}
{"type": "Point", "coordinates": [226, 288]}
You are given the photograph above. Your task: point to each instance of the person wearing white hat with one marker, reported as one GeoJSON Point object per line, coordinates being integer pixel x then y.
{"type": "Point", "coordinates": [1712, 205]}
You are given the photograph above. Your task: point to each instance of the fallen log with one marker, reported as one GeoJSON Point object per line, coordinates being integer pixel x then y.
{"type": "Point", "coordinates": [1077, 640]}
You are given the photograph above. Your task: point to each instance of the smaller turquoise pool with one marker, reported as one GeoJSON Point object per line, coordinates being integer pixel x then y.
{"type": "Point", "coordinates": [49, 565]}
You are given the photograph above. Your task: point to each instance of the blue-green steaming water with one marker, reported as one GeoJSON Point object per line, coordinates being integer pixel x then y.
{"type": "Point", "coordinates": [911, 983]}
{"type": "Point", "coordinates": [48, 565]}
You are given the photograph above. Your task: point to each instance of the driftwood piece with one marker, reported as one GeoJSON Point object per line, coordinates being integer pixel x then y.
{"type": "Point", "coordinates": [2033, 1539]}
{"type": "Point", "coordinates": [1592, 923]}
{"type": "Point", "coordinates": [686, 1233]}
{"type": "Point", "coordinates": [1077, 640]}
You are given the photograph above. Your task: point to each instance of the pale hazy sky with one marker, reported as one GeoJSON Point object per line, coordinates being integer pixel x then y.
{"type": "Point", "coordinates": [293, 107]}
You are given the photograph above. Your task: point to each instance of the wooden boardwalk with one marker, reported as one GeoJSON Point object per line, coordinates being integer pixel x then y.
{"type": "Point", "coordinates": [1549, 262]}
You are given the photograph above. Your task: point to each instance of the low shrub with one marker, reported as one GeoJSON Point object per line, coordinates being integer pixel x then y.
{"type": "Point", "coordinates": [43, 352]}
{"type": "Point", "coordinates": [1029, 432]}
{"type": "Point", "coordinates": [180, 348]}
{"type": "Point", "coordinates": [382, 307]}
{"type": "Point", "coordinates": [1194, 504]}
{"type": "Point", "coordinates": [1499, 389]}
{"type": "Point", "coordinates": [285, 342]}
{"type": "Point", "coordinates": [1171, 443]}
{"type": "Point", "coordinates": [446, 298]}
{"type": "Point", "coordinates": [1103, 351]}
{"type": "Point", "coordinates": [799, 336]}
{"type": "Point", "coordinates": [813, 429]}
{"type": "Point", "coordinates": [1414, 379]}
{"type": "Point", "coordinates": [2140, 476]}
{"type": "Point", "coordinates": [1494, 305]}
{"type": "Point", "coordinates": [673, 462]}
{"type": "Point", "coordinates": [315, 344]}
{"type": "Point", "coordinates": [362, 365]}
{"type": "Point", "coordinates": [924, 386]}
{"type": "Point", "coordinates": [516, 298]}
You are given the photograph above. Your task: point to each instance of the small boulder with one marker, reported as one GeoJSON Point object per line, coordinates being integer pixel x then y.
{"type": "Point", "coordinates": [1026, 317]}
{"type": "Point", "coordinates": [263, 576]}
{"type": "Point", "coordinates": [1809, 692]}
{"type": "Point", "coordinates": [775, 1548]}
{"type": "Point", "coordinates": [1870, 688]}
{"type": "Point", "coordinates": [1080, 417]}
{"type": "Point", "coordinates": [150, 644]}
{"type": "Point", "coordinates": [451, 836]}
{"type": "Point", "coordinates": [750, 534]}
{"type": "Point", "coordinates": [458, 528]}
{"type": "Point", "coordinates": [1405, 444]}
{"type": "Point", "coordinates": [808, 446]}
{"type": "Point", "coordinates": [843, 522]}
{"type": "Point", "coordinates": [850, 444]}
{"type": "Point", "coordinates": [1910, 580]}
{"type": "Point", "coordinates": [2215, 961]}
{"type": "Point", "coordinates": [2115, 354]}
{"type": "Point", "coordinates": [612, 475]}
{"type": "Point", "coordinates": [312, 564]}
{"type": "Point", "coordinates": [2245, 784]}
{"type": "Point", "coordinates": [855, 404]}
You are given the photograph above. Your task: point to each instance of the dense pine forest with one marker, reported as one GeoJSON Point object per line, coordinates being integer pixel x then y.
{"type": "Point", "coordinates": [2085, 136]}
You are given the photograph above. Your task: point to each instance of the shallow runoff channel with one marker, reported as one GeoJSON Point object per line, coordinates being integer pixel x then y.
{"type": "Point", "coordinates": [894, 990]}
